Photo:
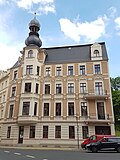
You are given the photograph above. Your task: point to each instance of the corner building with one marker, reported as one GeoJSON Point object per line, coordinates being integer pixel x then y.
{"type": "Point", "coordinates": [57, 96]}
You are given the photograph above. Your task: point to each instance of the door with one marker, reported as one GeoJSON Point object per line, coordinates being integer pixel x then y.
{"type": "Point", "coordinates": [21, 134]}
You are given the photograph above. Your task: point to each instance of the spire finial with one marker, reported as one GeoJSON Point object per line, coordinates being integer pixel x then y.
{"type": "Point", "coordinates": [35, 15]}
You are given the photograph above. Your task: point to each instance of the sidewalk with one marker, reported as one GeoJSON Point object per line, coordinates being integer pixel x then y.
{"type": "Point", "coordinates": [41, 148]}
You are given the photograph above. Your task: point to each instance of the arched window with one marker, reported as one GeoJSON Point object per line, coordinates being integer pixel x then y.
{"type": "Point", "coordinates": [30, 53]}
{"type": "Point", "coordinates": [96, 53]}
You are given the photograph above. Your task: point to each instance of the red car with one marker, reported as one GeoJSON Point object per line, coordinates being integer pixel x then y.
{"type": "Point", "coordinates": [92, 139]}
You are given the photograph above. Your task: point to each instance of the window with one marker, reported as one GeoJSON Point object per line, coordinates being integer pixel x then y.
{"type": "Point", "coordinates": [45, 131]}
{"type": "Point", "coordinates": [93, 137]}
{"type": "Point", "coordinates": [5, 83]}
{"type": "Point", "coordinates": [2, 113]}
{"type": "Point", "coordinates": [37, 87]}
{"type": "Point", "coordinates": [70, 87]}
{"type": "Point", "coordinates": [83, 108]}
{"type": "Point", "coordinates": [58, 88]}
{"type": "Point", "coordinates": [8, 132]}
{"type": "Point", "coordinates": [46, 109]}
{"type": "Point", "coordinates": [82, 87]}
{"type": "Point", "coordinates": [71, 132]}
{"type": "Point", "coordinates": [27, 87]}
{"type": "Point", "coordinates": [30, 53]}
{"type": "Point", "coordinates": [85, 132]}
{"type": "Point", "coordinates": [32, 131]}
{"type": "Point", "coordinates": [100, 110]}
{"type": "Point", "coordinates": [58, 109]}
{"type": "Point", "coordinates": [57, 131]}
{"type": "Point", "coordinates": [38, 70]}
{"type": "Point", "coordinates": [13, 91]}
{"type": "Point", "coordinates": [35, 108]}
{"type": "Point", "coordinates": [29, 69]}
{"type": "Point", "coordinates": [47, 71]}
{"type": "Point", "coordinates": [15, 75]}
{"type": "Point", "coordinates": [2, 85]}
{"type": "Point", "coordinates": [47, 88]}
{"type": "Point", "coordinates": [11, 111]}
{"type": "Point", "coordinates": [82, 70]}
{"type": "Point", "coordinates": [70, 70]}
{"type": "Point", "coordinates": [58, 71]}
{"type": "Point", "coordinates": [3, 97]}
{"type": "Point", "coordinates": [97, 68]}
{"type": "Point", "coordinates": [96, 53]}
{"type": "Point", "coordinates": [98, 88]}
{"type": "Point", "coordinates": [70, 108]}
{"type": "Point", "coordinates": [26, 106]}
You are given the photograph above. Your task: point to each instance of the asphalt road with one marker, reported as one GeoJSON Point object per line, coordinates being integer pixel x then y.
{"type": "Point", "coordinates": [23, 154]}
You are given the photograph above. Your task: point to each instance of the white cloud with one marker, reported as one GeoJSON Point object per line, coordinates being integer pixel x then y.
{"type": "Point", "coordinates": [1, 1]}
{"type": "Point", "coordinates": [89, 31]}
{"type": "Point", "coordinates": [40, 6]}
{"type": "Point", "coordinates": [117, 21]}
{"type": "Point", "coordinates": [9, 49]}
{"type": "Point", "coordinates": [112, 12]}
{"type": "Point", "coordinates": [9, 56]}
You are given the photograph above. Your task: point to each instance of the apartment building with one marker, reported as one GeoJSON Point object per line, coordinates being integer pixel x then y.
{"type": "Point", "coordinates": [4, 81]}
{"type": "Point", "coordinates": [57, 95]}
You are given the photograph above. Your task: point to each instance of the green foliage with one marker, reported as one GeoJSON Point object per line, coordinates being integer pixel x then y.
{"type": "Point", "coordinates": [115, 83]}
{"type": "Point", "coordinates": [117, 133]}
{"type": "Point", "coordinates": [116, 98]}
{"type": "Point", "coordinates": [115, 87]}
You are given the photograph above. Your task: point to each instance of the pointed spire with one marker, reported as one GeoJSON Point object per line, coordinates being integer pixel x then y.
{"type": "Point", "coordinates": [35, 15]}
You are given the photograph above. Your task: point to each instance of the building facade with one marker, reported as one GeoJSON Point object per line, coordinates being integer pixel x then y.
{"type": "Point", "coordinates": [56, 96]}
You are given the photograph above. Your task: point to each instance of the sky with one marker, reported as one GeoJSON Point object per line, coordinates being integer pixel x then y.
{"type": "Point", "coordinates": [63, 22]}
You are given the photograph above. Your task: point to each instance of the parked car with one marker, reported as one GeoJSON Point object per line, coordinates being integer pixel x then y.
{"type": "Point", "coordinates": [93, 138]}
{"type": "Point", "coordinates": [106, 143]}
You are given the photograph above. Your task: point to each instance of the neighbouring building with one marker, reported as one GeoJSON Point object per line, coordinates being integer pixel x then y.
{"type": "Point", "coordinates": [57, 95]}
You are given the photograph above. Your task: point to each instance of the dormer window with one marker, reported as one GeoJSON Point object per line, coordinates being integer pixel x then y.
{"type": "Point", "coordinates": [96, 53]}
{"type": "Point", "coordinates": [30, 53]}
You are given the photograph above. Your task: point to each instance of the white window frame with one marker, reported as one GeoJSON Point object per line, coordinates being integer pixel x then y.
{"type": "Point", "coordinates": [47, 75]}
{"type": "Point", "coordinates": [56, 70]}
{"type": "Point", "coordinates": [68, 71]}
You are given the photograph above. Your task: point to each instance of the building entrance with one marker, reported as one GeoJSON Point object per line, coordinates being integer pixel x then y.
{"type": "Point", "coordinates": [21, 134]}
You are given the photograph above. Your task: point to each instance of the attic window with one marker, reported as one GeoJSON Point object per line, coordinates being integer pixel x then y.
{"type": "Point", "coordinates": [30, 53]}
{"type": "Point", "coordinates": [96, 53]}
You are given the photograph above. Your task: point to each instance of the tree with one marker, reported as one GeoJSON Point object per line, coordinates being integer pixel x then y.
{"type": "Point", "coordinates": [115, 83]}
{"type": "Point", "coordinates": [115, 87]}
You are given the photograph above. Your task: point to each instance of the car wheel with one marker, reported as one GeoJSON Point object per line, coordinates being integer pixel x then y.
{"type": "Point", "coordinates": [94, 149]}
{"type": "Point", "coordinates": [118, 149]}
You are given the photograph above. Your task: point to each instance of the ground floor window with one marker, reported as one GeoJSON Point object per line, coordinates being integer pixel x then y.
{"type": "Point", "coordinates": [71, 132]}
{"type": "Point", "coordinates": [57, 131]}
{"type": "Point", "coordinates": [105, 130]}
{"type": "Point", "coordinates": [85, 132]}
{"type": "Point", "coordinates": [8, 132]}
{"type": "Point", "coordinates": [32, 131]}
{"type": "Point", "coordinates": [45, 131]}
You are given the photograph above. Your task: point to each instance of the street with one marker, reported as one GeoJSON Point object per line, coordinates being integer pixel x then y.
{"type": "Point", "coordinates": [25, 154]}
